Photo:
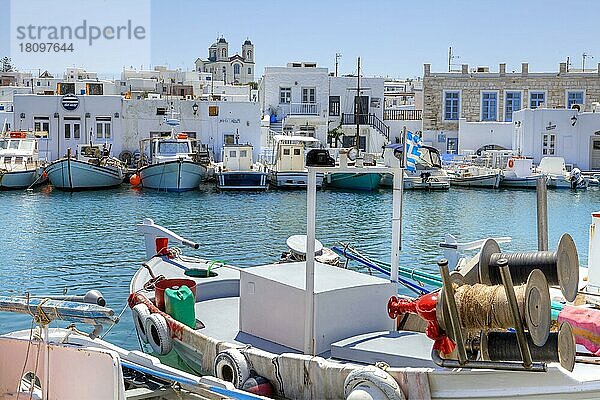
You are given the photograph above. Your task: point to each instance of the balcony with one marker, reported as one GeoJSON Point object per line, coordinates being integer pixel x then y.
{"type": "Point", "coordinates": [300, 108]}
{"type": "Point", "coordinates": [402, 115]}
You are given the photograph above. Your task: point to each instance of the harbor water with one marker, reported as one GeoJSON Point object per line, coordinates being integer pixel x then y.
{"type": "Point", "coordinates": [53, 241]}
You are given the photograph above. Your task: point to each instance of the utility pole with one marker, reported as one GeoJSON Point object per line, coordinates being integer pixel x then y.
{"type": "Point", "coordinates": [449, 57]}
{"type": "Point", "coordinates": [583, 57]}
{"type": "Point", "coordinates": [568, 63]}
{"type": "Point", "coordinates": [337, 57]}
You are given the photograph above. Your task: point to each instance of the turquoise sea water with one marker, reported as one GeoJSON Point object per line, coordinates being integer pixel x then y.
{"type": "Point", "coordinates": [52, 240]}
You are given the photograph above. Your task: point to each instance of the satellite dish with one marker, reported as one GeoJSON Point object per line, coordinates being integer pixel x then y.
{"type": "Point", "coordinates": [297, 245]}
{"type": "Point", "coordinates": [352, 154]}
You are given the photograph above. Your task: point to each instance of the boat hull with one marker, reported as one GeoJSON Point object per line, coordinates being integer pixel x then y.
{"type": "Point", "coordinates": [366, 181]}
{"type": "Point", "coordinates": [242, 180]}
{"type": "Point", "coordinates": [19, 179]}
{"type": "Point", "coordinates": [72, 175]}
{"type": "Point", "coordinates": [483, 181]}
{"type": "Point", "coordinates": [524, 183]}
{"type": "Point", "coordinates": [292, 179]}
{"type": "Point", "coordinates": [172, 176]}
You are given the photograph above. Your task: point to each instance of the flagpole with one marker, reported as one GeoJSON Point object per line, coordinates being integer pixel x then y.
{"type": "Point", "coordinates": [397, 197]}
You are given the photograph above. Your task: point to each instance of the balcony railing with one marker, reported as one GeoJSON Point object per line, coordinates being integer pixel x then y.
{"type": "Point", "coordinates": [402, 115]}
{"type": "Point", "coordinates": [367, 119]}
{"type": "Point", "coordinates": [301, 108]}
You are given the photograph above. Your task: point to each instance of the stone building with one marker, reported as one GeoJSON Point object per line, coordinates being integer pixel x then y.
{"type": "Point", "coordinates": [235, 69]}
{"type": "Point", "coordinates": [483, 96]}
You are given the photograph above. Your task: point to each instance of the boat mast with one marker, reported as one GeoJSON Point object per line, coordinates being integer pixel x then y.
{"type": "Point", "coordinates": [357, 105]}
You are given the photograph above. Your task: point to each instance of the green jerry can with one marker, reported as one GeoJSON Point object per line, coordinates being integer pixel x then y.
{"type": "Point", "coordinates": [179, 304]}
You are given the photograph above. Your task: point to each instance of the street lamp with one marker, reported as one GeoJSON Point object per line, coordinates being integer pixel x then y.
{"type": "Point", "coordinates": [573, 120]}
{"type": "Point", "coordinates": [195, 108]}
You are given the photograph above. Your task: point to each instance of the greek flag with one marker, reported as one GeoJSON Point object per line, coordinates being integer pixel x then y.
{"type": "Point", "coordinates": [413, 152]}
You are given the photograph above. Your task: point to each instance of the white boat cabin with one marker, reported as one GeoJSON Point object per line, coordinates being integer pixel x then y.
{"type": "Point", "coordinates": [18, 152]}
{"type": "Point", "coordinates": [237, 157]}
{"type": "Point", "coordinates": [170, 149]}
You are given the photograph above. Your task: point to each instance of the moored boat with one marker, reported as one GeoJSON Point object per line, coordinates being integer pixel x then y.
{"type": "Point", "coordinates": [558, 177]}
{"type": "Point", "coordinates": [90, 168]}
{"type": "Point", "coordinates": [20, 167]}
{"type": "Point", "coordinates": [288, 168]}
{"type": "Point", "coordinates": [519, 173]}
{"type": "Point", "coordinates": [173, 166]}
{"type": "Point", "coordinates": [428, 173]}
{"type": "Point", "coordinates": [475, 176]}
{"type": "Point", "coordinates": [237, 171]}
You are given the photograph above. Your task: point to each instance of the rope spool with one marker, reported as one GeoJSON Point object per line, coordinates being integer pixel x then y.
{"type": "Point", "coordinates": [503, 346]}
{"type": "Point", "coordinates": [561, 267]}
{"type": "Point", "coordinates": [485, 308]}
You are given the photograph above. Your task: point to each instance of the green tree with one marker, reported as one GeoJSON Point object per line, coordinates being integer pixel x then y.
{"type": "Point", "coordinates": [6, 64]}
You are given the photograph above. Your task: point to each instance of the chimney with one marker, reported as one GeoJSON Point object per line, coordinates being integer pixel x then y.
{"type": "Point", "coordinates": [464, 69]}
{"type": "Point", "coordinates": [599, 68]}
{"type": "Point", "coordinates": [502, 69]}
{"type": "Point", "coordinates": [524, 68]}
{"type": "Point", "coordinates": [562, 68]}
{"type": "Point", "coordinates": [426, 69]}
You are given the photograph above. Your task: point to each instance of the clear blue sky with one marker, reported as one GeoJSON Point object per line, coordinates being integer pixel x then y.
{"type": "Point", "coordinates": [394, 38]}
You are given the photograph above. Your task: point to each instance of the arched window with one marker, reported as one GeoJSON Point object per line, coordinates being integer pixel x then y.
{"type": "Point", "coordinates": [249, 54]}
{"type": "Point", "coordinates": [223, 53]}
{"type": "Point", "coordinates": [236, 69]}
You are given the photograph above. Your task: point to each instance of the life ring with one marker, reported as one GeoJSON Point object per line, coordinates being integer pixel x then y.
{"type": "Point", "coordinates": [231, 366]}
{"type": "Point", "coordinates": [371, 383]}
{"type": "Point", "coordinates": [159, 334]}
{"type": "Point", "coordinates": [140, 313]}
{"type": "Point", "coordinates": [511, 163]}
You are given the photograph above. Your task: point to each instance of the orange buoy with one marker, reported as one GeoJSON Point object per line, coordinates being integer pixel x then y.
{"type": "Point", "coordinates": [511, 163]}
{"type": "Point", "coordinates": [135, 180]}
{"type": "Point", "coordinates": [44, 174]}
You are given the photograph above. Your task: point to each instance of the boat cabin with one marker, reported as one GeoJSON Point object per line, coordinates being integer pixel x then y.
{"type": "Point", "coordinates": [237, 157]}
{"type": "Point", "coordinates": [171, 149]}
{"type": "Point", "coordinates": [290, 152]}
{"type": "Point", "coordinates": [430, 157]}
{"type": "Point", "coordinates": [17, 152]}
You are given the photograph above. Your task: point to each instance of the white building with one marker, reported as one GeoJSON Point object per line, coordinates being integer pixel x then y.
{"type": "Point", "coordinates": [304, 99]}
{"type": "Point", "coordinates": [235, 69]}
{"type": "Point", "coordinates": [121, 122]}
{"type": "Point", "coordinates": [403, 94]}
{"type": "Point", "coordinates": [559, 132]}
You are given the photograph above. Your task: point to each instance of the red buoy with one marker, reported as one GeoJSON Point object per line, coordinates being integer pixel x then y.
{"type": "Point", "coordinates": [258, 385]}
{"type": "Point", "coordinates": [135, 180]}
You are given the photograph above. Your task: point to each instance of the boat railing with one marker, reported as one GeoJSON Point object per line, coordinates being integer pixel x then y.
{"type": "Point", "coordinates": [152, 231]}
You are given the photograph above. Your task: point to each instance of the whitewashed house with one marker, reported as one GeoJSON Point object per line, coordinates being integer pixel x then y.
{"type": "Point", "coordinates": [559, 132]}
{"type": "Point", "coordinates": [304, 99]}
{"type": "Point", "coordinates": [122, 123]}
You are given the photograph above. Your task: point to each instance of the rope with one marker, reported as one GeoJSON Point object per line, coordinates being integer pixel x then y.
{"type": "Point", "coordinates": [484, 307]}
{"type": "Point", "coordinates": [115, 322]}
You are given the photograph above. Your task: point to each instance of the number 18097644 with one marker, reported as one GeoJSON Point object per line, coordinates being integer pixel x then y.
{"type": "Point", "coordinates": [45, 47]}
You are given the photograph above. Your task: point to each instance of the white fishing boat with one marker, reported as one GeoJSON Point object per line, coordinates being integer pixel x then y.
{"type": "Point", "coordinates": [314, 331]}
{"type": "Point", "coordinates": [68, 364]}
{"type": "Point", "coordinates": [92, 167]}
{"type": "Point", "coordinates": [519, 173]}
{"type": "Point", "coordinates": [20, 167]}
{"type": "Point", "coordinates": [428, 174]}
{"type": "Point", "coordinates": [175, 164]}
{"type": "Point", "coordinates": [287, 170]}
{"type": "Point", "coordinates": [474, 176]}
{"type": "Point", "coordinates": [237, 171]}
{"type": "Point", "coordinates": [558, 177]}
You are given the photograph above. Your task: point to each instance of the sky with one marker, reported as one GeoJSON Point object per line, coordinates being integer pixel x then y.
{"type": "Point", "coordinates": [393, 38]}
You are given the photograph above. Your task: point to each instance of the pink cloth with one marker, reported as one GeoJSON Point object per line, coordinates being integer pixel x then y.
{"type": "Point", "coordinates": [586, 326]}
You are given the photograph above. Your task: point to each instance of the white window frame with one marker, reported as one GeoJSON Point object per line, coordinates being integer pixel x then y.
{"type": "Point", "coordinates": [41, 120]}
{"type": "Point", "coordinates": [567, 91]}
{"type": "Point", "coordinates": [104, 121]}
{"type": "Point", "coordinates": [444, 104]}
{"type": "Point", "coordinates": [506, 91]}
{"type": "Point", "coordinates": [481, 93]}
{"type": "Point", "coordinates": [548, 150]}
{"type": "Point", "coordinates": [288, 96]}
{"type": "Point", "coordinates": [545, 103]}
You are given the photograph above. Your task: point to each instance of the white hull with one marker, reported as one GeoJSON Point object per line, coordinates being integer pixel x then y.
{"type": "Point", "coordinates": [292, 179]}
{"type": "Point", "coordinates": [172, 176]}
{"type": "Point", "coordinates": [482, 181]}
{"type": "Point", "coordinates": [19, 179]}
{"type": "Point", "coordinates": [72, 174]}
